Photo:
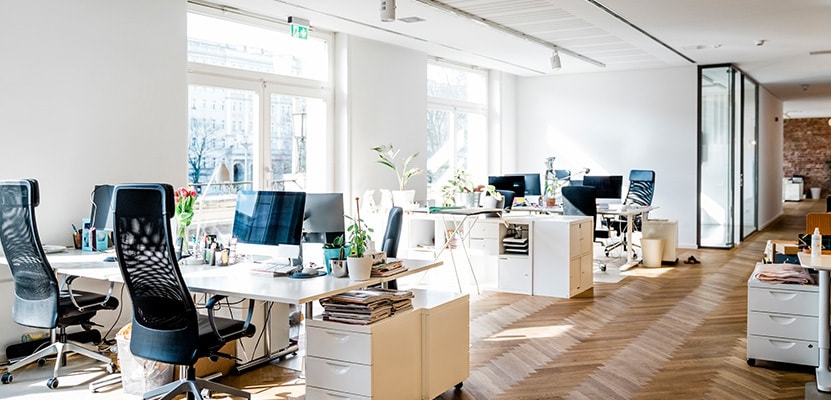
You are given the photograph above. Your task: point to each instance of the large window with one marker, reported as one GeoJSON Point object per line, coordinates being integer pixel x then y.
{"type": "Point", "coordinates": [456, 124]}
{"type": "Point", "coordinates": [257, 104]}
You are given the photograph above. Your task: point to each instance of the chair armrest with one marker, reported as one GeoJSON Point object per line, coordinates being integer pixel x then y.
{"type": "Point", "coordinates": [209, 305]}
{"type": "Point", "coordinates": [68, 283]}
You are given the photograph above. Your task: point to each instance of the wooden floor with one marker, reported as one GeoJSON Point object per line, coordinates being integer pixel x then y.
{"type": "Point", "coordinates": [662, 333]}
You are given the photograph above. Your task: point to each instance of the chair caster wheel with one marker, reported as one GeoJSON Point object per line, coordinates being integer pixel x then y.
{"type": "Point", "coordinates": [603, 268]}
{"type": "Point", "coordinates": [458, 386]}
{"type": "Point", "coordinates": [112, 368]}
{"type": "Point", "coordinates": [41, 362]}
{"type": "Point", "coordinates": [205, 393]}
{"type": "Point", "coordinates": [7, 378]}
{"type": "Point", "coordinates": [52, 383]}
{"type": "Point", "coordinates": [751, 362]}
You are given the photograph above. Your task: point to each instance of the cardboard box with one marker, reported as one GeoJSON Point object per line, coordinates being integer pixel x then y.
{"type": "Point", "coordinates": [789, 247]}
{"type": "Point", "coordinates": [205, 367]}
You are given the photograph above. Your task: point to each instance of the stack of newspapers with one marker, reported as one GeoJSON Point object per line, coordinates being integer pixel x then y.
{"type": "Point", "coordinates": [388, 268]}
{"type": "Point", "coordinates": [362, 307]}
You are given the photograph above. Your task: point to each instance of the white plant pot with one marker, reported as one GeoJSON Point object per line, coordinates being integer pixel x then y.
{"type": "Point", "coordinates": [360, 268]}
{"type": "Point", "coordinates": [491, 202]}
{"type": "Point", "coordinates": [403, 198]}
{"type": "Point", "coordinates": [468, 199]}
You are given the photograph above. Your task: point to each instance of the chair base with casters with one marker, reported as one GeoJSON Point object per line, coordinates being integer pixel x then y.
{"type": "Point", "coordinates": [194, 387]}
{"type": "Point", "coordinates": [60, 347]}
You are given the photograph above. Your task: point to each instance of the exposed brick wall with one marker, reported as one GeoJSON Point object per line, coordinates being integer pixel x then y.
{"type": "Point", "coordinates": [807, 147]}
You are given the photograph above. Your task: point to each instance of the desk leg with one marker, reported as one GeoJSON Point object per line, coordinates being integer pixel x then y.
{"type": "Point", "coordinates": [823, 373]}
{"type": "Point", "coordinates": [630, 250]}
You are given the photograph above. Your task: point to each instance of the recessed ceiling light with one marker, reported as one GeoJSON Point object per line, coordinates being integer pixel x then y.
{"type": "Point", "coordinates": [410, 20]}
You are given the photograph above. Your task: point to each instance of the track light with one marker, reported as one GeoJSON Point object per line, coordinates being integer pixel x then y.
{"type": "Point", "coordinates": [387, 10]}
{"type": "Point", "coordinates": [555, 61]}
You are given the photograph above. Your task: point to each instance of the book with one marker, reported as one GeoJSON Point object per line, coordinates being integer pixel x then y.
{"type": "Point", "coordinates": [387, 269]}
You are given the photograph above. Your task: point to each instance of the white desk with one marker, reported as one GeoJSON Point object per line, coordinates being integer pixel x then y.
{"type": "Point", "coordinates": [824, 335]}
{"type": "Point", "coordinates": [461, 231]}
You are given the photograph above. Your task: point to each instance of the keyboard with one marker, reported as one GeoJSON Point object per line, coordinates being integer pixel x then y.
{"type": "Point", "coordinates": [276, 269]}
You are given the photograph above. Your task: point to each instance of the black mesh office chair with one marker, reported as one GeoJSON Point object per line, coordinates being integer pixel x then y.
{"type": "Point", "coordinates": [641, 191]}
{"type": "Point", "coordinates": [508, 195]}
{"type": "Point", "coordinates": [166, 325]}
{"type": "Point", "coordinates": [582, 200]}
{"type": "Point", "coordinates": [39, 301]}
{"type": "Point", "coordinates": [391, 236]}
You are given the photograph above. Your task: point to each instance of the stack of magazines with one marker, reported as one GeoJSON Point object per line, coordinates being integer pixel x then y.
{"type": "Point", "coordinates": [363, 307]}
{"type": "Point", "coordinates": [388, 268]}
{"type": "Point", "coordinates": [515, 245]}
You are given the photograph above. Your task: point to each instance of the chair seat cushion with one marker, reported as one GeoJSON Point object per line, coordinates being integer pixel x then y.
{"type": "Point", "coordinates": [208, 342]}
{"type": "Point", "coordinates": [68, 314]}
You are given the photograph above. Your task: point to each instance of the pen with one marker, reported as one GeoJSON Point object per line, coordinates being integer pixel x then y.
{"type": "Point", "coordinates": [74, 228]}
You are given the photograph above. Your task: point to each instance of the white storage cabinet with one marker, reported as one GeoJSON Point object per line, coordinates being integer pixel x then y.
{"type": "Point", "coordinates": [563, 270]}
{"type": "Point", "coordinates": [782, 322]}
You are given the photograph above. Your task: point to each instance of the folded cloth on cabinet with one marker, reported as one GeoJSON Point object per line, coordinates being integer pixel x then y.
{"type": "Point", "coordinates": [783, 273]}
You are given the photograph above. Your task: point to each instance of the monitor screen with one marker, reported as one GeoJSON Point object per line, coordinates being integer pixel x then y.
{"type": "Point", "coordinates": [101, 215]}
{"type": "Point", "coordinates": [532, 184]}
{"type": "Point", "coordinates": [269, 218]}
{"type": "Point", "coordinates": [323, 217]}
{"type": "Point", "coordinates": [607, 187]}
{"type": "Point", "coordinates": [514, 183]}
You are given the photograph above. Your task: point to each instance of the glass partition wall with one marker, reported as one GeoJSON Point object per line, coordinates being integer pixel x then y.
{"type": "Point", "coordinates": [727, 163]}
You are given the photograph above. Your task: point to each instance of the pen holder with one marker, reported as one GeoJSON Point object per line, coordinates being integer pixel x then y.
{"type": "Point", "coordinates": [76, 239]}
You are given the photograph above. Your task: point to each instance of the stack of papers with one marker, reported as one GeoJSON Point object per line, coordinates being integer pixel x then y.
{"type": "Point", "coordinates": [363, 307]}
{"type": "Point", "coordinates": [387, 269]}
{"type": "Point", "coordinates": [515, 245]}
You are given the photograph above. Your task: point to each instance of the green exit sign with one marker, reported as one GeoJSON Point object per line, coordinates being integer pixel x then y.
{"type": "Point", "coordinates": [299, 28]}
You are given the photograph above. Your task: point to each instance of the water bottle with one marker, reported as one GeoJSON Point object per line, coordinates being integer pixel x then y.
{"type": "Point", "coordinates": [816, 246]}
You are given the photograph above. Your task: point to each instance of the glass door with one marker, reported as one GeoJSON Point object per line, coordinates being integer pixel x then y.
{"type": "Point", "coordinates": [716, 157]}
{"type": "Point", "coordinates": [749, 172]}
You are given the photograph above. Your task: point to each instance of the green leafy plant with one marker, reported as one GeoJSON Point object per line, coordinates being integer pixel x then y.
{"type": "Point", "coordinates": [491, 189]}
{"type": "Point", "coordinates": [359, 233]}
{"type": "Point", "coordinates": [387, 155]}
{"type": "Point", "coordinates": [461, 182]}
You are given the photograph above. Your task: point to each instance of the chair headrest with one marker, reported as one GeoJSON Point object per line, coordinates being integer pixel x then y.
{"type": "Point", "coordinates": [642, 175]}
{"type": "Point", "coordinates": [29, 186]}
{"type": "Point", "coordinates": [165, 190]}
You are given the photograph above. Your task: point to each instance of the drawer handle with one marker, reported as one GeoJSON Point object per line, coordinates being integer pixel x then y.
{"type": "Point", "coordinates": [781, 344]}
{"type": "Point", "coordinates": [340, 369]}
{"type": "Point", "coordinates": [782, 295]}
{"type": "Point", "coordinates": [782, 320]}
{"type": "Point", "coordinates": [336, 396]}
{"type": "Point", "coordinates": [339, 337]}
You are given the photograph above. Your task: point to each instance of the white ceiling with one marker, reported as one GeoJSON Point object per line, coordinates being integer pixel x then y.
{"type": "Point", "coordinates": [621, 34]}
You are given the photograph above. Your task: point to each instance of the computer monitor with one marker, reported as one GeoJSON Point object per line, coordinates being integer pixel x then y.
{"type": "Point", "coordinates": [323, 217]}
{"type": "Point", "coordinates": [101, 214]}
{"type": "Point", "coordinates": [515, 183]}
{"type": "Point", "coordinates": [607, 187]}
{"type": "Point", "coordinates": [269, 223]}
{"type": "Point", "coordinates": [532, 184]}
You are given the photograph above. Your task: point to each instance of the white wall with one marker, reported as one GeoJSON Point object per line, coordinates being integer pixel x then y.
{"type": "Point", "coordinates": [613, 122]}
{"type": "Point", "coordinates": [771, 155]}
{"type": "Point", "coordinates": [92, 92]}
{"type": "Point", "coordinates": [387, 103]}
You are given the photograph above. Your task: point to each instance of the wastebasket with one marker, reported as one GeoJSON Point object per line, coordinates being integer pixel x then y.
{"type": "Point", "coordinates": [653, 250]}
{"type": "Point", "coordinates": [139, 375]}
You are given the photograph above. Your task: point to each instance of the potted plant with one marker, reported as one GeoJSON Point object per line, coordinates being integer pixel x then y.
{"type": "Point", "coordinates": [359, 266]}
{"type": "Point", "coordinates": [337, 250]}
{"type": "Point", "coordinates": [403, 172]}
{"type": "Point", "coordinates": [494, 199]}
{"type": "Point", "coordinates": [460, 190]}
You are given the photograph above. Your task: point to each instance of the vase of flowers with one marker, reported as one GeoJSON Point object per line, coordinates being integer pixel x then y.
{"type": "Point", "coordinates": [403, 172]}
{"type": "Point", "coordinates": [185, 200]}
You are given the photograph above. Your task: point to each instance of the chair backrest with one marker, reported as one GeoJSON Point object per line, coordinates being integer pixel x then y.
{"type": "Point", "coordinates": [393, 232]}
{"type": "Point", "coordinates": [509, 198]}
{"type": "Point", "coordinates": [580, 200]}
{"type": "Point", "coordinates": [165, 324]}
{"type": "Point", "coordinates": [641, 187]}
{"type": "Point", "coordinates": [36, 291]}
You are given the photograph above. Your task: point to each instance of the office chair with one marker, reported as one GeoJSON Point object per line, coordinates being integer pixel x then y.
{"type": "Point", "coordinates": [391, 236]}
{"type": "Point", "coordinates": [39, 301]}
{"type": "Point", "coordinates": [582, 200]}
{"type": "Point", "coordinates": [166, 325]}
{"type": "Point", "coordinates": [641, 190]}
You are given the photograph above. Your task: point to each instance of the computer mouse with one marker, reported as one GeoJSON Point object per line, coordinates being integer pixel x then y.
{"type": "Point", "coordinates": [110, 259]}
{"type": "Point", "coordinates": [309, 271]}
